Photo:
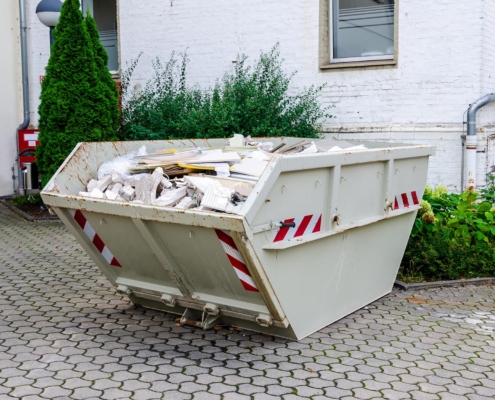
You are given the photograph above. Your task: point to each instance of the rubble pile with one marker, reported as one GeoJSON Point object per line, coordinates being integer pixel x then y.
{"type": "Point", "coordinates": [209, 179]}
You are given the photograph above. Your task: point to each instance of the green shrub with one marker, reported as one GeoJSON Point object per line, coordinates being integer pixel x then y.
{"type": "Point", "coordinates": [74, 107]}
{"type": "Point", "coordinates": [27, 199]}
{"type": "Point", "coordinates": [453, 237]}
{"type": "Point", "coordinates": [108, 86]}
{"type": "Point", "coordinates": [252, 100]}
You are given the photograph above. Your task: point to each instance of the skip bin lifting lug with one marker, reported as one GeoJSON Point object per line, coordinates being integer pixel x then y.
{"type": "Point", "coordinates": [282, 224]}
{"type": "Point", "coordinates": [264, 320]}
{"type": "Point", "coordinates": [121, 289]}
{"type": "Point", "coordinates": [168, 300]}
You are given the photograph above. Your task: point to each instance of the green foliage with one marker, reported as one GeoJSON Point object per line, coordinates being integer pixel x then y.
{"type": "Point", "coordinates": [488, 192]}
{"type": "Point", "coordinates": [453, 237]}
{"type": "Point", "coordinates": [252, 100]}
{"type": "Point", "coordinates": [27, 199]}
{"type": "Point", "coordinates": [74, 107]}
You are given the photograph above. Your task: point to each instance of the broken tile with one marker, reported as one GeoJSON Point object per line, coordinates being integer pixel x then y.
{"type": "Point", "coordinates": [171, 197]}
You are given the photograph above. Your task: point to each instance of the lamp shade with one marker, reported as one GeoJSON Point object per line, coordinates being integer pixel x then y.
{"type": "Point", "coordinates": [48, 12]}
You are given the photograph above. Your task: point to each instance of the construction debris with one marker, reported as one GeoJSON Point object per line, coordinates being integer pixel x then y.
{"type": "Point", "coordinates": [216, 179]}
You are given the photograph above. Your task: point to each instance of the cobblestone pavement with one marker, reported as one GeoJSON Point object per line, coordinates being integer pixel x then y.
{"type": "Point", "coordinates": [66, 334]}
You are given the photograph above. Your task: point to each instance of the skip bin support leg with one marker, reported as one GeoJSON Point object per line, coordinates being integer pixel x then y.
{"type": "Point", "coordinates": [164, 256]}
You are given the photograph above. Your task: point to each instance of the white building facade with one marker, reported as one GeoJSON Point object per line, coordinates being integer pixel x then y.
{"type": "Point", "coordinates": [403, 70]}
{"type": "Point", "coordinates": [11, 93]}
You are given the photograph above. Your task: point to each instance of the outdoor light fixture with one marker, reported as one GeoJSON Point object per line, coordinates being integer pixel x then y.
{"type": "Point", "coordinates": [48, 12]}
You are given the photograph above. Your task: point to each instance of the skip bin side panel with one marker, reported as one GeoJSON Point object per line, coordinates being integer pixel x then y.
{"type": "Point", "coordinates": [322, 281]}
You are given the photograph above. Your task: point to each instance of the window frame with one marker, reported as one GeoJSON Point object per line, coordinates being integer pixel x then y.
{"type": "Point", "coordinates": [327, 61]}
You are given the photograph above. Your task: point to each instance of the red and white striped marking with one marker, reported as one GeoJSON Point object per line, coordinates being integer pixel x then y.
{"type": "Point", "coordinates": [304, 226]}
{"type": "Point", "coordinates": [236, 260]}
{"type": "Point", "coordinates": [93, 236]}
{"type": "Point", "coordinates": [406, 200]}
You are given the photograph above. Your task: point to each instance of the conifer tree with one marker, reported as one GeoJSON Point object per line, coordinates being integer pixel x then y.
{"type": "Point", "coordinates": [73, 105]}
{"type": "Point", "coordinates": [101, 58]}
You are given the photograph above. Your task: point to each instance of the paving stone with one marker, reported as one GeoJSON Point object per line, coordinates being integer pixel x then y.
{"type": "Point", "coordinates": [77, 338]}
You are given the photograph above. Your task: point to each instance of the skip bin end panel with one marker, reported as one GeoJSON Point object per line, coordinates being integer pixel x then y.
{"type": "Point", "coordinates": [209, 260]}
{"type": "Point", "coordinates": [321, 281]}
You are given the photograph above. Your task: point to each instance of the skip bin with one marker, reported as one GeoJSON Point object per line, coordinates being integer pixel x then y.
{"type": "Point", "coordinates": [320, 236]}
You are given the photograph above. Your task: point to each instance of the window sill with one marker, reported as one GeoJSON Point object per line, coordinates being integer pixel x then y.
{"type": "Point", "coordinates": [358, 64]}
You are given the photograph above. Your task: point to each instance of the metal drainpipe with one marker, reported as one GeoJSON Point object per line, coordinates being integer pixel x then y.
{"type": "Point", "coordinates": [471, 139]}
{"type": "Point", "coordinates": [25, 86]}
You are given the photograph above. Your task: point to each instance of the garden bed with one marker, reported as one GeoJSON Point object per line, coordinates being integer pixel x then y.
{"type": "Point", "coordinates": [30, 209]}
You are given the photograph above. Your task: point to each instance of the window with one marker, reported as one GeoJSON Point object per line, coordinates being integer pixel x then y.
{"type": "Point", "coordinates": [105, 14]}
{"type": "Point", "coordinates": [358, 31]}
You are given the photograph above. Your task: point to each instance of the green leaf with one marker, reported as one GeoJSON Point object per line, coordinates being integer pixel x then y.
{"type": "Point", "coordinates": [485, 206]}
{"type": "Point", "coordinates": [453, 221]}
{"type": "Point", "coordinates": [489, 216]}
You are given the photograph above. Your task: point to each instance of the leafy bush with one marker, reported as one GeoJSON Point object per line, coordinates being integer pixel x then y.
{"type": "Point", "coordinates": [453, 237]}
{"type": "Point", "coordinates": [108, 87]}
{"type": "Point", "coordinates": [253, 101]}
{"type": "Point", "coordinates": [74, 104]}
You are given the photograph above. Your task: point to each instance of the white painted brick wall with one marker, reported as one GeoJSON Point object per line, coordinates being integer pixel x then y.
{"type": "Point", "coordinates": [440, 52]}
{"type": "Point", "coordinates": [446, 61]}
{"type": "Point", "coordinates": [11, 94]}
{"type": "Point", "coordinates": [445, 166]}
{"type": "Point", "coordinates": [38, 39]}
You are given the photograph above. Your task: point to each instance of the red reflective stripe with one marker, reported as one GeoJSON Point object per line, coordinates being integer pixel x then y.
{"type": "Point", "coordinates": [98, 243]}
{"type": "Point", "coordinates": [248, 287]}
{"type": "Point", "coordinates": [79, 217]}
{"type": "Point", "coordinates": [283, 231]}
{"type": "Point", "coordinates": [303, 225]}
{"type": "Point", "coordinates": [81, 221]}
{"type": "Point", "coordinates": [318, 225]}
{"type": "Point", "coordinates": [238, 264]}
{"type": "Point", "coordinates": [405, 200]}
{"type": "Point", "coordinates": [415, 198]}
{"type": "Point", "coordinates": [115, 263]}
{"type": "Point", "coordinates": [225, 238]}
{"type": "Point", "coordinates": [396, 204]}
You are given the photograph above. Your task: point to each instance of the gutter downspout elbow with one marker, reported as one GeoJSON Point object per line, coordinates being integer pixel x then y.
{"type": "Point", "coordinates": [471, 138]}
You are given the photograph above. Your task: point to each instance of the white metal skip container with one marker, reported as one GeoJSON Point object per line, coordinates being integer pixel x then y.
{"type": "Point", "coordinates": [320, 236]}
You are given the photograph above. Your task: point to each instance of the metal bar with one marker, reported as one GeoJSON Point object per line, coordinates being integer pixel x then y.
{"type": "Point", "coordinates": [323, 160]}
{"type": "Point", "coordinates": [389, 176]}
{"type": "Point", "coordinates": [164, 256]}
{"type": "Point", "coordinates": [316, 236]}
{"type": "Point", "coordinates": [210, 220]}
{"type": "Point", "coordinates": [332, 196]}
